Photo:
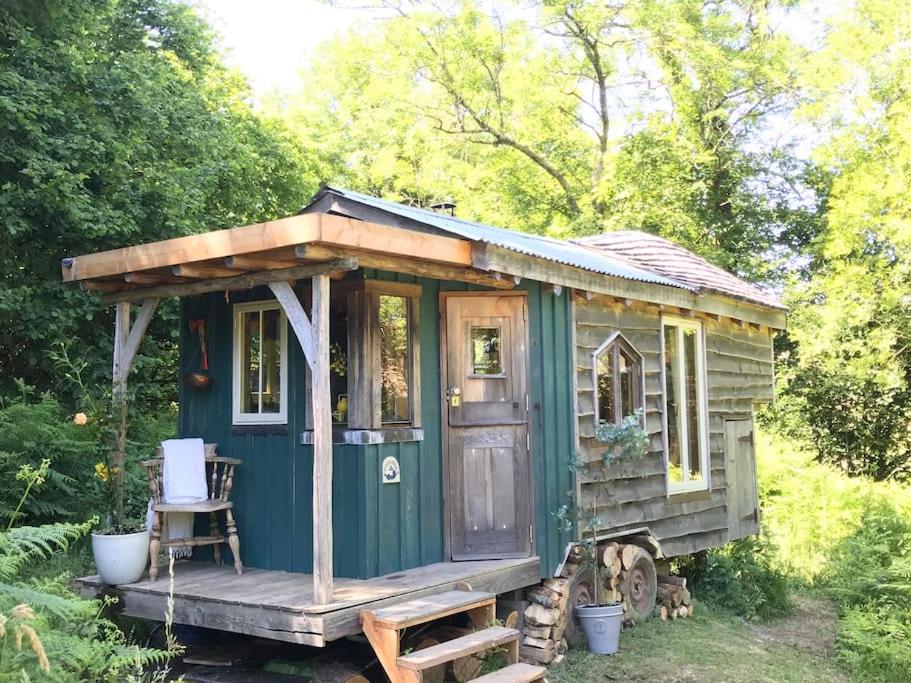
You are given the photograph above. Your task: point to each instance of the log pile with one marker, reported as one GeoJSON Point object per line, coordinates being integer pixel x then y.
{"type": "Point", "coordinates": [618, 560]}
{"type": "Point", "coordinates": [674, 599]}
{"type": "Point", "coordinates": [545, 622]}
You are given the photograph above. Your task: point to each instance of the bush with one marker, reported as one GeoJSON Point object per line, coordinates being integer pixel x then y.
{"type": "Point", "coordinates": [869, 573]}
{"type": "Point", "coordinates": [849, 538]}
{"type": "Point", "coordinates": [35, 428]}
{"type": "Point", "coordinates": [740, 577]}
{"type": "Point", "coordinates": [876, 643]}
{"type": "Point", "coordinates": [46, 631]}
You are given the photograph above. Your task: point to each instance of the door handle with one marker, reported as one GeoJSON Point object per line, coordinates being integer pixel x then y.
{"type": "Point", "coordinates": [454, 396]}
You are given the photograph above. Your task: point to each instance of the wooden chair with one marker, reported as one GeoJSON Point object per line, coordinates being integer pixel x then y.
{"type": "Point", "coordinates": [220, 475]}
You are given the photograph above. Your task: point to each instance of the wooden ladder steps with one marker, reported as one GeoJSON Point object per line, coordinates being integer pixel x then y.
{"type": "Point", "coordinates": [469, 644]}
{"type": "Point", "coordinates": [422, 610]}
{"type": "Point", "coordinates": [514, 673]}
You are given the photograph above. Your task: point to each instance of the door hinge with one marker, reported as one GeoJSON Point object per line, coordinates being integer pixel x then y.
{"type": "Point", "coordinates": [527, 405]}
{"type": "Point", "coordinates": [524, 311]}
{"type": "Point", "coordinates": [528, 442]}
{"type": "Point", "coordinates": [531, 535]}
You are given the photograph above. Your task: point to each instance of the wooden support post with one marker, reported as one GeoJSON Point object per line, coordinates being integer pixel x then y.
{"type": "Point", "coordinates": [322, 445]}
{"type": "Point", "coordinates": [313, 336]}
{"type": "Point", "coordinates": [121, 335]}
{"type": "Point", "coordinates": [126, 344]}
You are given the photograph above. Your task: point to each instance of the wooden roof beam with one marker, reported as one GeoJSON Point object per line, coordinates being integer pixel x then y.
{"type": "Point", "coordinates": [245, 281]}
{"type": "Point", "coordinates": [202, 272]}
{"type": "Point", "coordinates": [256, 263]}
{"type": "Point", "coordinates": [419, 268]}
{"type": "Point", "coordinates": [150, 278]}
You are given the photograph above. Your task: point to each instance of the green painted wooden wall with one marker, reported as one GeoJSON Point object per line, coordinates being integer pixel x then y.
{"type": "Point", "coordinates": [378, 528]}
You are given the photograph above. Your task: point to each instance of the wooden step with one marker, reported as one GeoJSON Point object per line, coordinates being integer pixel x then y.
{"type": "Point", "coordinates": [514, 673]}
{"type": "Point", "coordinates": [433, 607]}
{"type": "Point", "coordinates": [477, 641]}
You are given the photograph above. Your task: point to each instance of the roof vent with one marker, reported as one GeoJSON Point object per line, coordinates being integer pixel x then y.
{"type": "Point", "coordinates": [446, 206]}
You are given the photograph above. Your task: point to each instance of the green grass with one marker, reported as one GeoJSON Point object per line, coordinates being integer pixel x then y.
{"type": "Point", "coordinates": [708, 647]}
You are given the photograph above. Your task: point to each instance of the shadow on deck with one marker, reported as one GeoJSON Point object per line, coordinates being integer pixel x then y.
{"type": "Point", "coordinates": [279, 605]}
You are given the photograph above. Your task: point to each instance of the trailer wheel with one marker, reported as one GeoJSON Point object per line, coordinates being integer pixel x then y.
{"type": "Point", "coordinates": [640, 587]}
{"type": "Point", "coordinates": [581, 592]}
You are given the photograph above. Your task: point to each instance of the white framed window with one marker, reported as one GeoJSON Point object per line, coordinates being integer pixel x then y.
{"type": "Point", "coordinates": [685, 404]}
{"type": "Point", "coordinates": [260, 391]}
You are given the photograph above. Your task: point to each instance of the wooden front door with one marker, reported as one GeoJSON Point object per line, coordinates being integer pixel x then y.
{"type": "Point", "coordinates": [485, 380]}
{"type": "Point", "coordinates": [740, 471]}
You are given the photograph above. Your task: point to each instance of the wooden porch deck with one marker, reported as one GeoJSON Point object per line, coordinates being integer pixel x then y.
{"type": "Point", "coordinates": [279, 605]}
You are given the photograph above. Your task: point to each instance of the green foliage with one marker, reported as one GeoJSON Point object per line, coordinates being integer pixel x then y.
{"type": "Point", "coordinates": [740, 577]}
{"type": "Point", "coordinates": [869, 573]}
{"type": "Point", "coordinates": [875, 642]}
{"type": "Point", "coordinates": [849, 538]}
{"type": "Point", "coordinates": [48, 632]}
{"type": "Point", "coordinates": [627, 441]}
{"type": "Point", "coordinates": [36, 429]}
{"type": "Point", "coordinates": [574, 117]}
{"type": "Point", "coordinates": [120, 125]}
{"type": "Point", "coordinates": [847, 377]}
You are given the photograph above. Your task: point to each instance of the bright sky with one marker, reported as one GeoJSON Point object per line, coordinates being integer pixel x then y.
{"type": "Point", "coordinates": [270, 40]}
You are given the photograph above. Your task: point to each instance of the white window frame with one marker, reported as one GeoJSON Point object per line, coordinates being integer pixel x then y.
{"type": "Point", "coordinates": [702, 401]}
{"type": "Point", "coordinates": [241, 418]}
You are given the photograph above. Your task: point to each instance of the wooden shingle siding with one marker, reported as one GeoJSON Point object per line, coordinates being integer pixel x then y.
{"type": "Point", "coordinates": [739, 375]}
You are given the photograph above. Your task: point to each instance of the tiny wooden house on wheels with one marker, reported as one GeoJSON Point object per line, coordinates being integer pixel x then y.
{"type": "Point", "coordinates": [405, 389]}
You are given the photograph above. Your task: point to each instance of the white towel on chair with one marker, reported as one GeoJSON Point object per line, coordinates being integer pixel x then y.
{"type": "Point", "coordinates": [183, 481]}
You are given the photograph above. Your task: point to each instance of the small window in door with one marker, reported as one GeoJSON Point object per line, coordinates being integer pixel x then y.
{"type": "Point", "coordinates": [486, 358]}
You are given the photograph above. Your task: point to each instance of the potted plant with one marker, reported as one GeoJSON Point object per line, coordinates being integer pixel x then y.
{"type": "Point", "coordinates": [120, 549]}
{"type": "Point", "coordinates": [601, 620]}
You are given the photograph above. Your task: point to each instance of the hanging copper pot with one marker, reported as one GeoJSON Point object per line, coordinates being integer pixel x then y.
{"type": "Point", "coordinates": [199, 380]}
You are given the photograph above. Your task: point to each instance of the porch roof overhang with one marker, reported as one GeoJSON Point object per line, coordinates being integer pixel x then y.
{"type": "Point", "coordinates": [249, 255]}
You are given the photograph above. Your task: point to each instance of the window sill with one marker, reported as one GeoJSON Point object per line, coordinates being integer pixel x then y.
{"type": "Point", "coordinates": [368, 436]}
{"type": "Point", "coordinates": [676, 497]}
{"type": "Point", "coordinates": [259, 430]}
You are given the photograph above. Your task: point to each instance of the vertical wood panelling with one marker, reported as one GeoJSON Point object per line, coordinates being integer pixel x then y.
{"type": "Point", "coordinates": [378, 528]}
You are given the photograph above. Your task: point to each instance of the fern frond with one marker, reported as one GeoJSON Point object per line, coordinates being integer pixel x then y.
{"type": "Point", "coordinates": [59, 606]}
{"type": "Point", "coordinates": [26, 544]}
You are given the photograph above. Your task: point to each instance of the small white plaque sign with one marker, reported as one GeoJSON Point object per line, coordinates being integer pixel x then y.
{"type": "Point", "coordinates": [390, 470]}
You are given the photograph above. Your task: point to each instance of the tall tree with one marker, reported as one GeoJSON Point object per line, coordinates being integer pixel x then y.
{"type": "Point", "coordinates": [576, 116]}
{"type": "Point", "coordinates": [848, 380]}
{"type": "Point", "coordinates": [118, 124]}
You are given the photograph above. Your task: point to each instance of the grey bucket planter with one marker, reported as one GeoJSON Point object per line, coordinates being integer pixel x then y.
{"type": "Point", "coordinates": [601, 624]}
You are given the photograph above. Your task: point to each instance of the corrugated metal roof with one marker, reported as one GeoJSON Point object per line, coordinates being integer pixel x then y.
{"type": "Point", "coordinates": [626, 254]}
{"type": "Point", "coordinates": [663, 256]}
{"type": "Point", "coordinates": [550, 249]}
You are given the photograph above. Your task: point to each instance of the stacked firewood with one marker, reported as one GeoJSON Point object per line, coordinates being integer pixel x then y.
{"type": "Point", "coordinates": [674, 600]}
{"type": "Point", "coordinates": [545, 621]}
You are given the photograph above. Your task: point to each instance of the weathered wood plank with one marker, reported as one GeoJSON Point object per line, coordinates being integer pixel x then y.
{"type": "Point", "coordinates": [340, 622]}
{"type": "Point", "coordinates": [321, 400]}
{"type": "Point", "coordinates": [245, 281]}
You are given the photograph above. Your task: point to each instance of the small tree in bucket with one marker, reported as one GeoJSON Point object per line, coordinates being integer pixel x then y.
{"type": "Point", "coordinates": [624, 442]}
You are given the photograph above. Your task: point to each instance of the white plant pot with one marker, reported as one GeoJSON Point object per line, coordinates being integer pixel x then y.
{"type": "Point", "coordinates": [121, 558]}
